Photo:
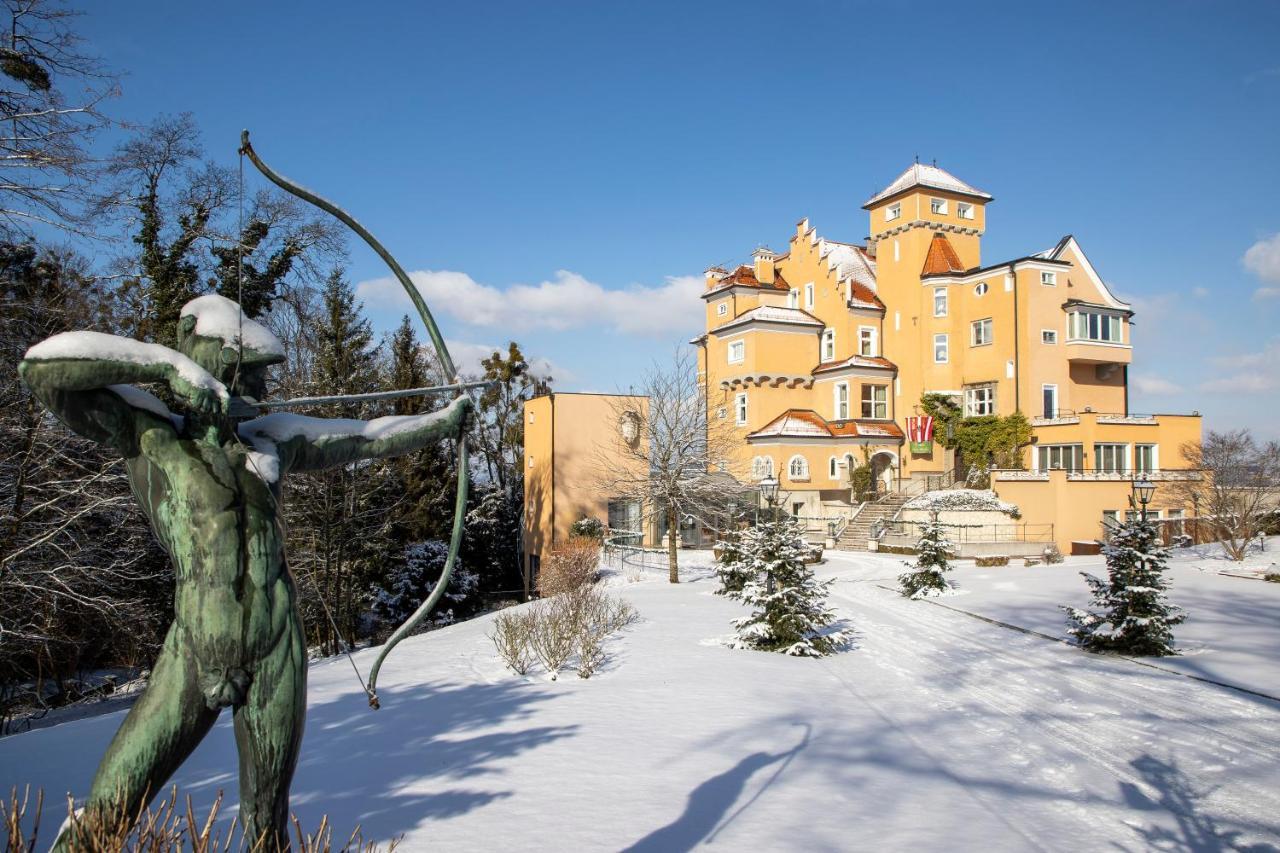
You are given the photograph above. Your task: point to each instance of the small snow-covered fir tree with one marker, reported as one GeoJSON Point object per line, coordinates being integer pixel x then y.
{"type": "Point", "coordinates": [926, 575]}
{"type": "Point", "coordinates": [410, 580]}
{"type": "Point", "coordinates": [789, 613]}
{"type": "Point", "coordinates": [1136, 618]}
{"type": "Point", "coordinates": [733, 566]}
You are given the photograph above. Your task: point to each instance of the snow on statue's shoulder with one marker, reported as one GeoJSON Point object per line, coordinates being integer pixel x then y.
{"type": "Point", "coordinates": [219, 317]}
{"type": "Point", "coordinates": [104, 347]}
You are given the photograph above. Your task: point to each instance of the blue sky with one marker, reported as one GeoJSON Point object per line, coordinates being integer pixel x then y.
{"type": "Point", "coordinates": [575, 167]}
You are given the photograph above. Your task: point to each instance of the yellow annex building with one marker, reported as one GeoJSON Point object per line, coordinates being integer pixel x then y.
{"type": "Point", "coordinates": [817, 356]}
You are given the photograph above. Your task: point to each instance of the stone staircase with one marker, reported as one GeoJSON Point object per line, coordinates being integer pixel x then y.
{"type": "Point", "coordinates": [857, 532]}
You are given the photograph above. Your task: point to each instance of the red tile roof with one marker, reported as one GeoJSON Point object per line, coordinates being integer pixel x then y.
{"type": "Point", "coordinates": [942, 257]}
{"type": "Point", "coordinates": [856, 361]}
{"type": "Point", "coordinates": [745, 276]}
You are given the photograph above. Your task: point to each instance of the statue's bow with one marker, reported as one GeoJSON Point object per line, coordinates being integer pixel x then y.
{"type": "Point", "coordinates": [442, 352]}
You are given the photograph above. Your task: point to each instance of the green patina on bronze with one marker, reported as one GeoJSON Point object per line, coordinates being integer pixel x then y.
{"type": "Point", "coordinates": [237, 639]}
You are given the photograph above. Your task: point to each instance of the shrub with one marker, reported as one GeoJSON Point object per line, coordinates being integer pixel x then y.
{"type": "Point", "coordinates": [1273, 577]}
{"type": "Point", "coordinates": [587, 528]}
{"type": "Point", "coordinates": [574, 564]}
{"type": "Point", "coordinates": [1052, 556]}
{"type": "Point", "coordinates": [553, 636]}
{"type": "Point", "coordinates": [512, 633]}
{"type": "Point", "coordinates": [992, 560]}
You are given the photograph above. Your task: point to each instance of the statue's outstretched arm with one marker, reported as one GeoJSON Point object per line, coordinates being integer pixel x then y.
{"type": "Point", "coordinates": [71, 372]}
{"type": "Point", "coordinates": [302, 443]}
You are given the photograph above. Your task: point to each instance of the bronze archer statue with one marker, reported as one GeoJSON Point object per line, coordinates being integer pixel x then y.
{"type": "Point", "coordinates": [210, 486]}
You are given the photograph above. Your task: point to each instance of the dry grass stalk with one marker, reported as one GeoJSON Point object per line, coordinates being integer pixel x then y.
{"type": "Point", "coordinates": [165, 828]}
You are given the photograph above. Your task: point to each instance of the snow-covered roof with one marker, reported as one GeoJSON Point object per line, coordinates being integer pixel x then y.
{"type": "Point", "coordinates": [773, 314]}
{"type": "Point", "coordinates": [219, 317]}
{"type": "Point", "coordinates": [848, 261]}
{"type": "Point", "coordinates": [806, 423]}
{"type": "Point", "coordinates": [920, 175]}
{"type": "Point", "coordinates": [874, 362]}
{"type": "Point", "coordinates": [961, 499]}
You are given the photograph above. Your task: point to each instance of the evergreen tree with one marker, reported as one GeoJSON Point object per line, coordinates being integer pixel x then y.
{"type": "Point", "coordinates": [1136, 618]}
{"type": "Point", "coordinates": [243, 277]}
{"type": "Point", "coordinates": [499, 428]}
{"type": "Point", "coordinates": [733, 566]}
{"type": "Point", "coordinates": [410, 581]}
{"type": "Point", "coordinates": [790, 613]}
{"type": "Point", "coordinates": [926, 575]}
{"type": "Point", "coordinates": [408, 367]}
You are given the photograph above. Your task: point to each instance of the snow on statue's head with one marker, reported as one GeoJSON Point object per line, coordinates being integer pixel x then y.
{"type": "Point", "coordinates": [214, 333]}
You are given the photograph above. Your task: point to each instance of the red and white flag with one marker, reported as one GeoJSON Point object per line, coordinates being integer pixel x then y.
{"type": "Point", "coordinates": [920, 429]}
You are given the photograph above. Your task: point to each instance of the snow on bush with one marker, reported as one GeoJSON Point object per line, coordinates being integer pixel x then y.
{"type": "Point", "coordinates": [1136, 619]}
{"type": "Point", "coordinates": [732, 567]}
{"type": "Point", "coordinates": [411, 579]}
{"type": "Point", "coordinates": [926, 575]}
{"type": "Point", "coordinates": [961, 499]}
{"type": "Point", "coordinates": [790, 612]}
{"type": "Point", "coordinates": [589, 528]}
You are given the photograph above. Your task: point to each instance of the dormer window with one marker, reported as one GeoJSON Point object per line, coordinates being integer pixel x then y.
{"type": "Point", "coordinates": [892, 212]}
{"type": "Point", "coordinates": [964, 210]}
{"type": "Point", "coordinates": [938, 206]}
{"type": "Point", "coordinates": [867, 341]}
{"type": "Point", "coordinates": [1049, 279]}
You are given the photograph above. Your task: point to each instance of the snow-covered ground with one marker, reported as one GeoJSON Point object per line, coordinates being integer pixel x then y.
{"type": "Point", "coordinates": [937, 731]}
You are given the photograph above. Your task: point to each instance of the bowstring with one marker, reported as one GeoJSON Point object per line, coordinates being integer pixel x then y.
{"type": "Point", "coordinates": [235, 432]}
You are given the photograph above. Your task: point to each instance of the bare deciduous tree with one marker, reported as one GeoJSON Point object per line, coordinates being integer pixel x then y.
{"type": "Point", "coordinates": [666, 455]}
{"type": "Point", "coordinates": [1239, 487]}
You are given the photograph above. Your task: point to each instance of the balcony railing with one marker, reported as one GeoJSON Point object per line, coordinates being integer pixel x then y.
{"type": "Point", "coordinates": [1099, 475]}
{"type": "Point", "coordinates": [972, 534]}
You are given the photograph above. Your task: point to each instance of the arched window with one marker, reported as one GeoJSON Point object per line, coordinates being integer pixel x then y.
{"type": "Point", "coordinates": [798, 468]}
{"type": "Point", "coordinates": [761, 467]}
{"type": "Point", "coordinates": [849, 463]}
{"type": "Point", "coordinates": [833, 468]}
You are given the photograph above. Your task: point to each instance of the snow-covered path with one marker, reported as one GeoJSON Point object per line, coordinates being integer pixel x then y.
{"type": "Point", "coordinates": [938, 731]}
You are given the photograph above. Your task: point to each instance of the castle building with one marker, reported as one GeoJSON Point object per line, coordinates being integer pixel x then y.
{"type": "Point", "coordinates": [818, 357]}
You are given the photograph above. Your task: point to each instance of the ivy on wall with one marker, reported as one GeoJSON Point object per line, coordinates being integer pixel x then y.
{"type": "Point", "coordinates": [981, 440]}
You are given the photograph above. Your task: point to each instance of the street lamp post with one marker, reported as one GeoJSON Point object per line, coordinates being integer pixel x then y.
{"type": "Point", "coordinates": [769, 491]}
{"type": "Point", "coordinates": [1142, 491]}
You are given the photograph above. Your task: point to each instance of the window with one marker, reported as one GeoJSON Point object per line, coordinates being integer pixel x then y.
{"type": "Point", "coordinates": [1144, 458]}
{"type": "Point", "coordinates": [1095, 326]}
{"type": "Point", "coordinates": [867, 340]}
{"type": "Point", "coordinates": [1048, 336]}
{"type": "Point", "coordinates": [1049, 279]}
{"type": "Point", "coordinates": [722, 309]}
{"type": "Point", "coordinates": [892, 212]}
{"type": "Point", "coordinates": [964, 210]}
{"type": "Point", "coordinates": [761, 467]}
{"type": "Point", "coordinates": [897, 253]}
{"type": "Point", "coordinates": [833, 469]}
{"type": "Point", "coordinates": [1059, 457]}
{"type": "Point", "coordinates": [798, 468]}
{"type": "Point", "coordinates": [875, 401]}
{"type": "Point", "coordinates": [939, 302]}
{"type": "Point", "coordinates": [980, 289]}
{"type": "Point", "coordinates": [793, 298]}
{"type": "Point", "coordinates": [1110, 519]}
{"type": "Point", "coordinates": [849, 464]}
{"type": "Point", "coordinates": [980, 332]}
{"type": "Point", "coordinates": [1112, 458]}
{"type": "Point", "coordinates": [940, 354]}
{"type": "Point", "coordinates": [841, 406]}
{"type": "Point", "coordinates": [829, 345]}
{"type": "Point", "coordinates": [740, 409]}
{"type": "Point", "coordinates": [1050, 396]}
{"type": "Point", "coordinates": [980, 400]}
{"type": "Point", "coordinates": [737, 351]}
{"type": "Point", "coordinates": [530, 461]}
{"type": "Point", "coordinates": [808, 295]}
{"type": "Point", "coordinates": [1176, 525]}
{"type": "Point", "coordinates": [938, 206]}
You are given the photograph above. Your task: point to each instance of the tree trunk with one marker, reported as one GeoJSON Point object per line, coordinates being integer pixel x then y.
{"type": "Point", "coordinates": [673, 533]}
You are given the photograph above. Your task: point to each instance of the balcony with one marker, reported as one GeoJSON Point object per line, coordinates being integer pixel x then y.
{"type": "Point", "coordinates": [1085, 351]}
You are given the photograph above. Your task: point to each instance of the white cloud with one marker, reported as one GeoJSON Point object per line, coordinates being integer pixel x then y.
{"type": "Point", "coordinates": [569, 301]}
{"type": "Point", "coordinates": [1263, 260]}
{"type": "Point", "coordinates": [1249, 372]}
{"type": "Point", "coordinates": [467, 357]}
{"type": "Point", "coordinates": [1199, 292]}
{"type": "Point", "coordinates": [1155, 385]}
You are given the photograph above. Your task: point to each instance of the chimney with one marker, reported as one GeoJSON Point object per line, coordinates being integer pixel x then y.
{"type": "Point", "coordinates": [714, 276]}
{"type": "Point", "coordinates": [764, 259]}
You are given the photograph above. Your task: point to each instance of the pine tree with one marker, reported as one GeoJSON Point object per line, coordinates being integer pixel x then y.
{"type": "Point", "coordinates": [240, 275]}
{"type": "Point", "coordinates": [926, 576]}
{"type": "Point", "coordinates": [790, 613]}
{"type": "Point", "coordinates": [1136, 619]}
{"type": "Point", "coordinates": [733, 566]}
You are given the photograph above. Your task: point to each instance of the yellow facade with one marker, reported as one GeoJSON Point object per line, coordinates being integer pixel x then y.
{"type": "Point", "coordinates": [567, 438]}
{"type": "Point", "coordinates": [855, 335]}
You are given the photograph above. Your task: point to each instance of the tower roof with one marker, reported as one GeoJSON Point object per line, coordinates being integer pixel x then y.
{"type": "Point", "coordinates": [942, 257]}
{"type": "Point", "coordinates": [920, 175]}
